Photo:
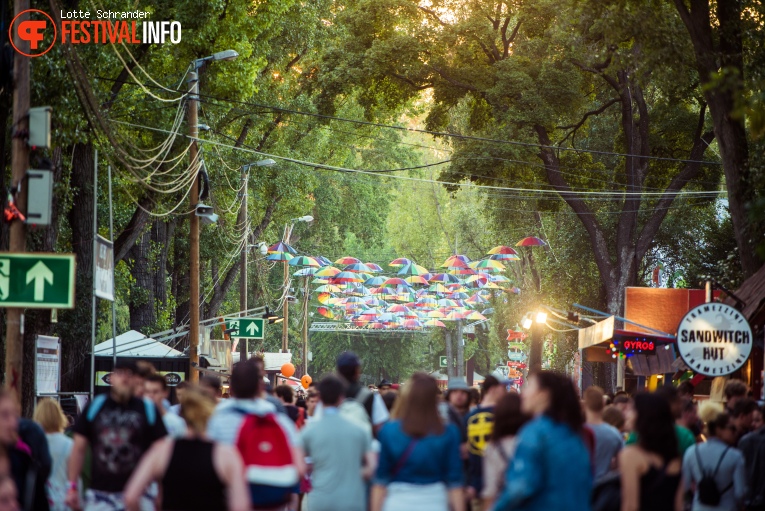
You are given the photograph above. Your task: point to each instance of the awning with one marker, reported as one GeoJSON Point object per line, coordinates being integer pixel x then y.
{"type": "Point", "coordinates": [135, 344]}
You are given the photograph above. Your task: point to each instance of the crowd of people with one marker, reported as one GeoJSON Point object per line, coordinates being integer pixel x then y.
{"type": "Point", "coordinates": [341, 446]}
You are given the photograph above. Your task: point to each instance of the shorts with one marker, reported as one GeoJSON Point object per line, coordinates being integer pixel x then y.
{"type": "Point", "coordinates": [96, 500]}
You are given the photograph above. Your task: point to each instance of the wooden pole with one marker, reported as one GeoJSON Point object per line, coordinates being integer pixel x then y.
{"type": "Point", "coordinates": [242, 222]}
{"type": "Point", "coordinates": [14, 317]}
{"type": "Point", "coordinates": [193, 80]}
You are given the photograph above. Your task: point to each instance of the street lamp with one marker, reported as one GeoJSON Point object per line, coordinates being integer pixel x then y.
{"type": "Point", "coordinates": [193, 121]}
{"type": "Point", "coordinates": [242, 223]}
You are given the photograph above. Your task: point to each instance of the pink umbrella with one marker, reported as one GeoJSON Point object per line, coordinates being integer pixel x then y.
{"type": "Point", "coordinates": [531, 241]}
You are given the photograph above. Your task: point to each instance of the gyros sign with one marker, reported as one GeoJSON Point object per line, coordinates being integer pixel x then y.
{"type": "Point", "coordinates": [714, 339]}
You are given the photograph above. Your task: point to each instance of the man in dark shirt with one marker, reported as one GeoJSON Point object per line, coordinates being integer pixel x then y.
{"type": "Point", "coordinates": [119, 428]}
{"type": "Point", "coordinates": [753, 447]}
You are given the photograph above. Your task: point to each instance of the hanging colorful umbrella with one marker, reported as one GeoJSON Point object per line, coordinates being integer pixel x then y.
{"type": "Point", "coordinates": [399, 309]}
{"type": "Point", "coordinates": [401, 261]}
{"type": "Point", "coordinates": [323, 298]}
{"type": "Point", "coordinates": [426, 302]}
{"type": "Point", "coordinates": [374, 281]}
{"type": "Point", "coordinates": [435, 322]}
{"type": "Point", "coordinates": [462, 271]}
{"type": "Point", "coordinates": [436, 314]}
{"type": "Point", "coordinates": [394, 282]}
{"type": "Point", "coordinates": [453, 316]}
{"type": "Point", "coordinates": [304, 272]}
{"type": "Point", "coordinates": [504, 257]}
{"type": "Point", "coordinates": [375, 325]}
{"type": "Point", "coordinates": [416, 279]}
{"type": "Point", "coordinates": [281, 247]}
{"type": "Point", "coordinates": [327, 271]}
{"type": "Point", "coordinates": [279, 256]}
{"type": "Point", "coordinates": [304, 261]}
{"type": "Point", "coordinates": [326, 312]}
{"type": "Point", "coordinates": [438, 288]}
{"type": "Point", "coordinates": [475, 316]}
{"type": "Point", "coordinates": [346, 276]}
{"type": "Point", "coordinates": [487, 264]}
{"type": "Point", "coordinates": [454, 262]}
{"type": "Point", "coordinates": [375, 302]}
{"type": "Point", "coordinates": [347, 260]}
{"type": "Point", "coordinates": [358, 268]}
{"type": "Point", "coordinates": [499, 278]}
{"type": "Point", "coordinates": [444, 278]}
{"type": "Point", "coordinates": [413, 269]}
{"type": "Point", "coordinates": [446, 302]}
{"type": "Point", "coordinates": [412, 324]}
{"type": "Point", "coordinates": [531, 241]}
{"type": "Point", "coordinates": [323, 261]}
{"type": "Point", "coordinates": [502, 249]}
{"type": "Point", "coordinates": [329, 288]}
{"type": "Point", "coordinates": [459, 296]}
{"type": "Point", "coordinates": [374, 267]}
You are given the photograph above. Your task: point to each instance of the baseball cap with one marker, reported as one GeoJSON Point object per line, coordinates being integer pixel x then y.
{"type": "Point", "coordinates": [457, 383]}
{"type": "Point", "coordinates": [348, 359]}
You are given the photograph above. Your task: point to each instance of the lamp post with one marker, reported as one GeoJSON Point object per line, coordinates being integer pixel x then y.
{"type": "Point", "coordinates": [535, 351]}
{"type": "Point", "coordinates": [242, 223]}
{"type": "Point", "coordinates": [286, 241]}
{"type": "Point", "coordinates": [193, 81]}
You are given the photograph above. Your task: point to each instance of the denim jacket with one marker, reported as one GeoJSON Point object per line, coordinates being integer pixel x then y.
{"type": "Point", "coordinates": [550, 470]}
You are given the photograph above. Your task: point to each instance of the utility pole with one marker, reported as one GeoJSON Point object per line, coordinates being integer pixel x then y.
{"type": "Point", "coordinates": [193, 81]}
{"type": "Point", "coordinates": [285, 343]}
{"type": "Point", "coordinates": [449, 354]}
{"type": "Point", "coordinates": [242, 222]}
{"type": "Point", "coordinates": [14, 345]}
{"type": "Point", "coordinates": [535, 350]}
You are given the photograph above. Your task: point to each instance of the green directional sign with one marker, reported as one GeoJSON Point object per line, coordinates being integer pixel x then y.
{"type": "Point", "coordinates": [442, 362]}
{"type": "Point", "coordinates": [35, 280]}
{"type": "Point", "coordinates": [250, 328]}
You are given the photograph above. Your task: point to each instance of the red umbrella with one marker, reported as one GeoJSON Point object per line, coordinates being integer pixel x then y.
{"type": "Point", "coordinates": [347, 260]}
{"type": "Point", "coordinates": [531, 241]}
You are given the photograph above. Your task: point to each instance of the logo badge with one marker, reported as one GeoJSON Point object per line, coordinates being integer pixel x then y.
{"type": "Point", "coordinates": [33, 26]}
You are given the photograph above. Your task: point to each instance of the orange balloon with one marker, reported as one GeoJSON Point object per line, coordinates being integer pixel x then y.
{"type": "Point", "coordinates": [306, 381]}
{"type": "Point", "coordinates": [288, 369]}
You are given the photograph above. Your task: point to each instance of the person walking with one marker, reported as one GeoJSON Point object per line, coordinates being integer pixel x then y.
{"type": "Point", "coordinates": [458, 396]}
{"type": "Point", "coordinates": [608, 440]}
{"type": "Point", "coordinates": [52, 420]}
{"type": "Point", "coordinates": [119, 428]}
{"type": "Point", "coordinates": [551, 466]}
{"type": "Point", "coordinates": [155, 388]}
{"type": "Point", "coordinates": [349, 367]}
{"type": "Point", "coordinates": [196, 474]}
{"type": "Point", "coordinates": [341, 454]}
{"type": "Point", "coordinates": [508, 420]}
{"type": "Point", "coordinates": [650, 469]}
{"type": "Point", "coordinates": [478, 432]}
{"type": "Point", "coordinates": [752, 445]}
{"type": "Point", "coordinates": [419, 463]}
{"type": "Point", "coordinates": [715, 470]}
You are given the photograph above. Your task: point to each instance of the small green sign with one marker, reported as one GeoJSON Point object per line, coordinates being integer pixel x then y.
{"type": "Point", "coordinates": [250, 328]}
{"type": "Point", "coordinates": [442, 362]}
{"type": "Point", "coordinates": [35, 280]}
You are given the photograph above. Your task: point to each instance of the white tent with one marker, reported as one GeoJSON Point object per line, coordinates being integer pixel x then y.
{"type": "Point", "coordinates": [135, 344]}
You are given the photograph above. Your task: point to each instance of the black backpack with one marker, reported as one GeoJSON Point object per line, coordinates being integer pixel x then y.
{"type": "Point", "coordinates": [709, 493]}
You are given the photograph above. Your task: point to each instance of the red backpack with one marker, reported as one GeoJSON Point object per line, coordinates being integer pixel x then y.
{"type": "Point", "coordinates": [269, 468]}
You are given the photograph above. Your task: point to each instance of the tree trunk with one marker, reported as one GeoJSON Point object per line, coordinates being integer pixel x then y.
{"type": "Point", "coordinates": [75, 325]}
{"type": "Point", "coordinates": [161, 233]}
{"type": "Point", "coordinates": [449, 354]}
{"type": "Point", "coordinates": [141, 304]}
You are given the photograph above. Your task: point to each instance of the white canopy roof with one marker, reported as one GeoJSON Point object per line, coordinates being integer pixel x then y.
{"type": "Point", "coordinates": [135, 344]}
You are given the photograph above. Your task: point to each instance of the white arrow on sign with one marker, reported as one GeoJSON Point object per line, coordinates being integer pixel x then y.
{"type": "Point", "coordinates": [251, 328]}
{"type": "Point", "coordinates": [40, 274]}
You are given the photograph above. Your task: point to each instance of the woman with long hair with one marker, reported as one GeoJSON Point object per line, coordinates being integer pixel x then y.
{"type": "Point", "coordinates": [419, 466]}
{"type": "Point", "coordinates": [551, 467]}
{"type": "Point", "coordinates": [650, 469]}
{"type": "Point", "coordinates": [196, 474]}
{"type": "Point", "coordinates": [508, 420]}
{"type": "Point", "coordinates": [51, 418]}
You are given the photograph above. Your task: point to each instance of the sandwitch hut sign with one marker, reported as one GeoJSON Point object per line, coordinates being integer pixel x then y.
{"type": "Point", "coordinates": [714, 339]}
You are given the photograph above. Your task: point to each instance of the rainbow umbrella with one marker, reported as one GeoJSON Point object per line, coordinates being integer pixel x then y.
{"type": "Point", "coordinates": [323, 298]}
{"type": "Point", "coordinates": [504, 257]}
{"type": "Point", "coordinates": [454, 316]}
{"type": "Point", "coordinates": [438, 288]}
{"type": "Point", "coordinates": [347, 260]}
{"type": "Point", "coordinates": [329, 288]}
{"type": "Point", "coordinates": [376, 325]}
{"type": "Point", "coordinates": [358, 268]}
{"type": "Point", "coordinates": [426, 302]}
{"type": "Point", "coordinates": [374, 281]}
{"type": "Point", "coordinates": [327, 271]}
{"type": "Point", "coordinates": [398, 308]}
{"type": "Point", "coordinates": [384, 291]}
{"type": "Point", "coordinates": [436, 314]}
{"type": "Point", "coordinates": [435, 322]}
{"type": "Point", "coordinates": [323, 261]}
{"type": "Point", "coordinates": [281, 247]}
{"type": "Point", "coordinates": [394, 282]}
{"type": "Point", "coordinates": [326, 312]}
{"type": "Point", "coordinates": [412, 324]}
{"type": "Point", "coordinates": [374, 267]}
{"type": "Point", "coordinates": [375, 302]}
{"type": "Point", "coordinates": [531, 241]}
{"type": "Point", "coordinates": [487, 264]}
{"type": "Point", "coordinates": [454, 262]}
{"type": "Point", "coordinates": [303, 272]}
{"type": "Point", "coordinates": [476, 299]}
{"type": "Point", "coordinates": [354, 299]}
{"type": "Point", "coordinates": [459, 296]}
{"type": "Point", "coordinates": [401, 261]}
{"type": "Point", "coordinates": [413, 269]}
{"type": "Point", "coordinates": [304, 261]}
{"type": "Point", "coordinates": [416, 279]}
{"type": "Point", "coordinates": [462, 271]}
{"type": "Point", "coordinates": [346, 276]}
{"type": "Point", "coordinates": [279, 256]}
{"type": "Point", "coordinates": [502, 249]}
{"type": "Point", "coordinates": [492, 285]}
{"type": "Point", "coordinates": [499, 278]}
{"type": "Point", "coordinates": [446, 302]}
